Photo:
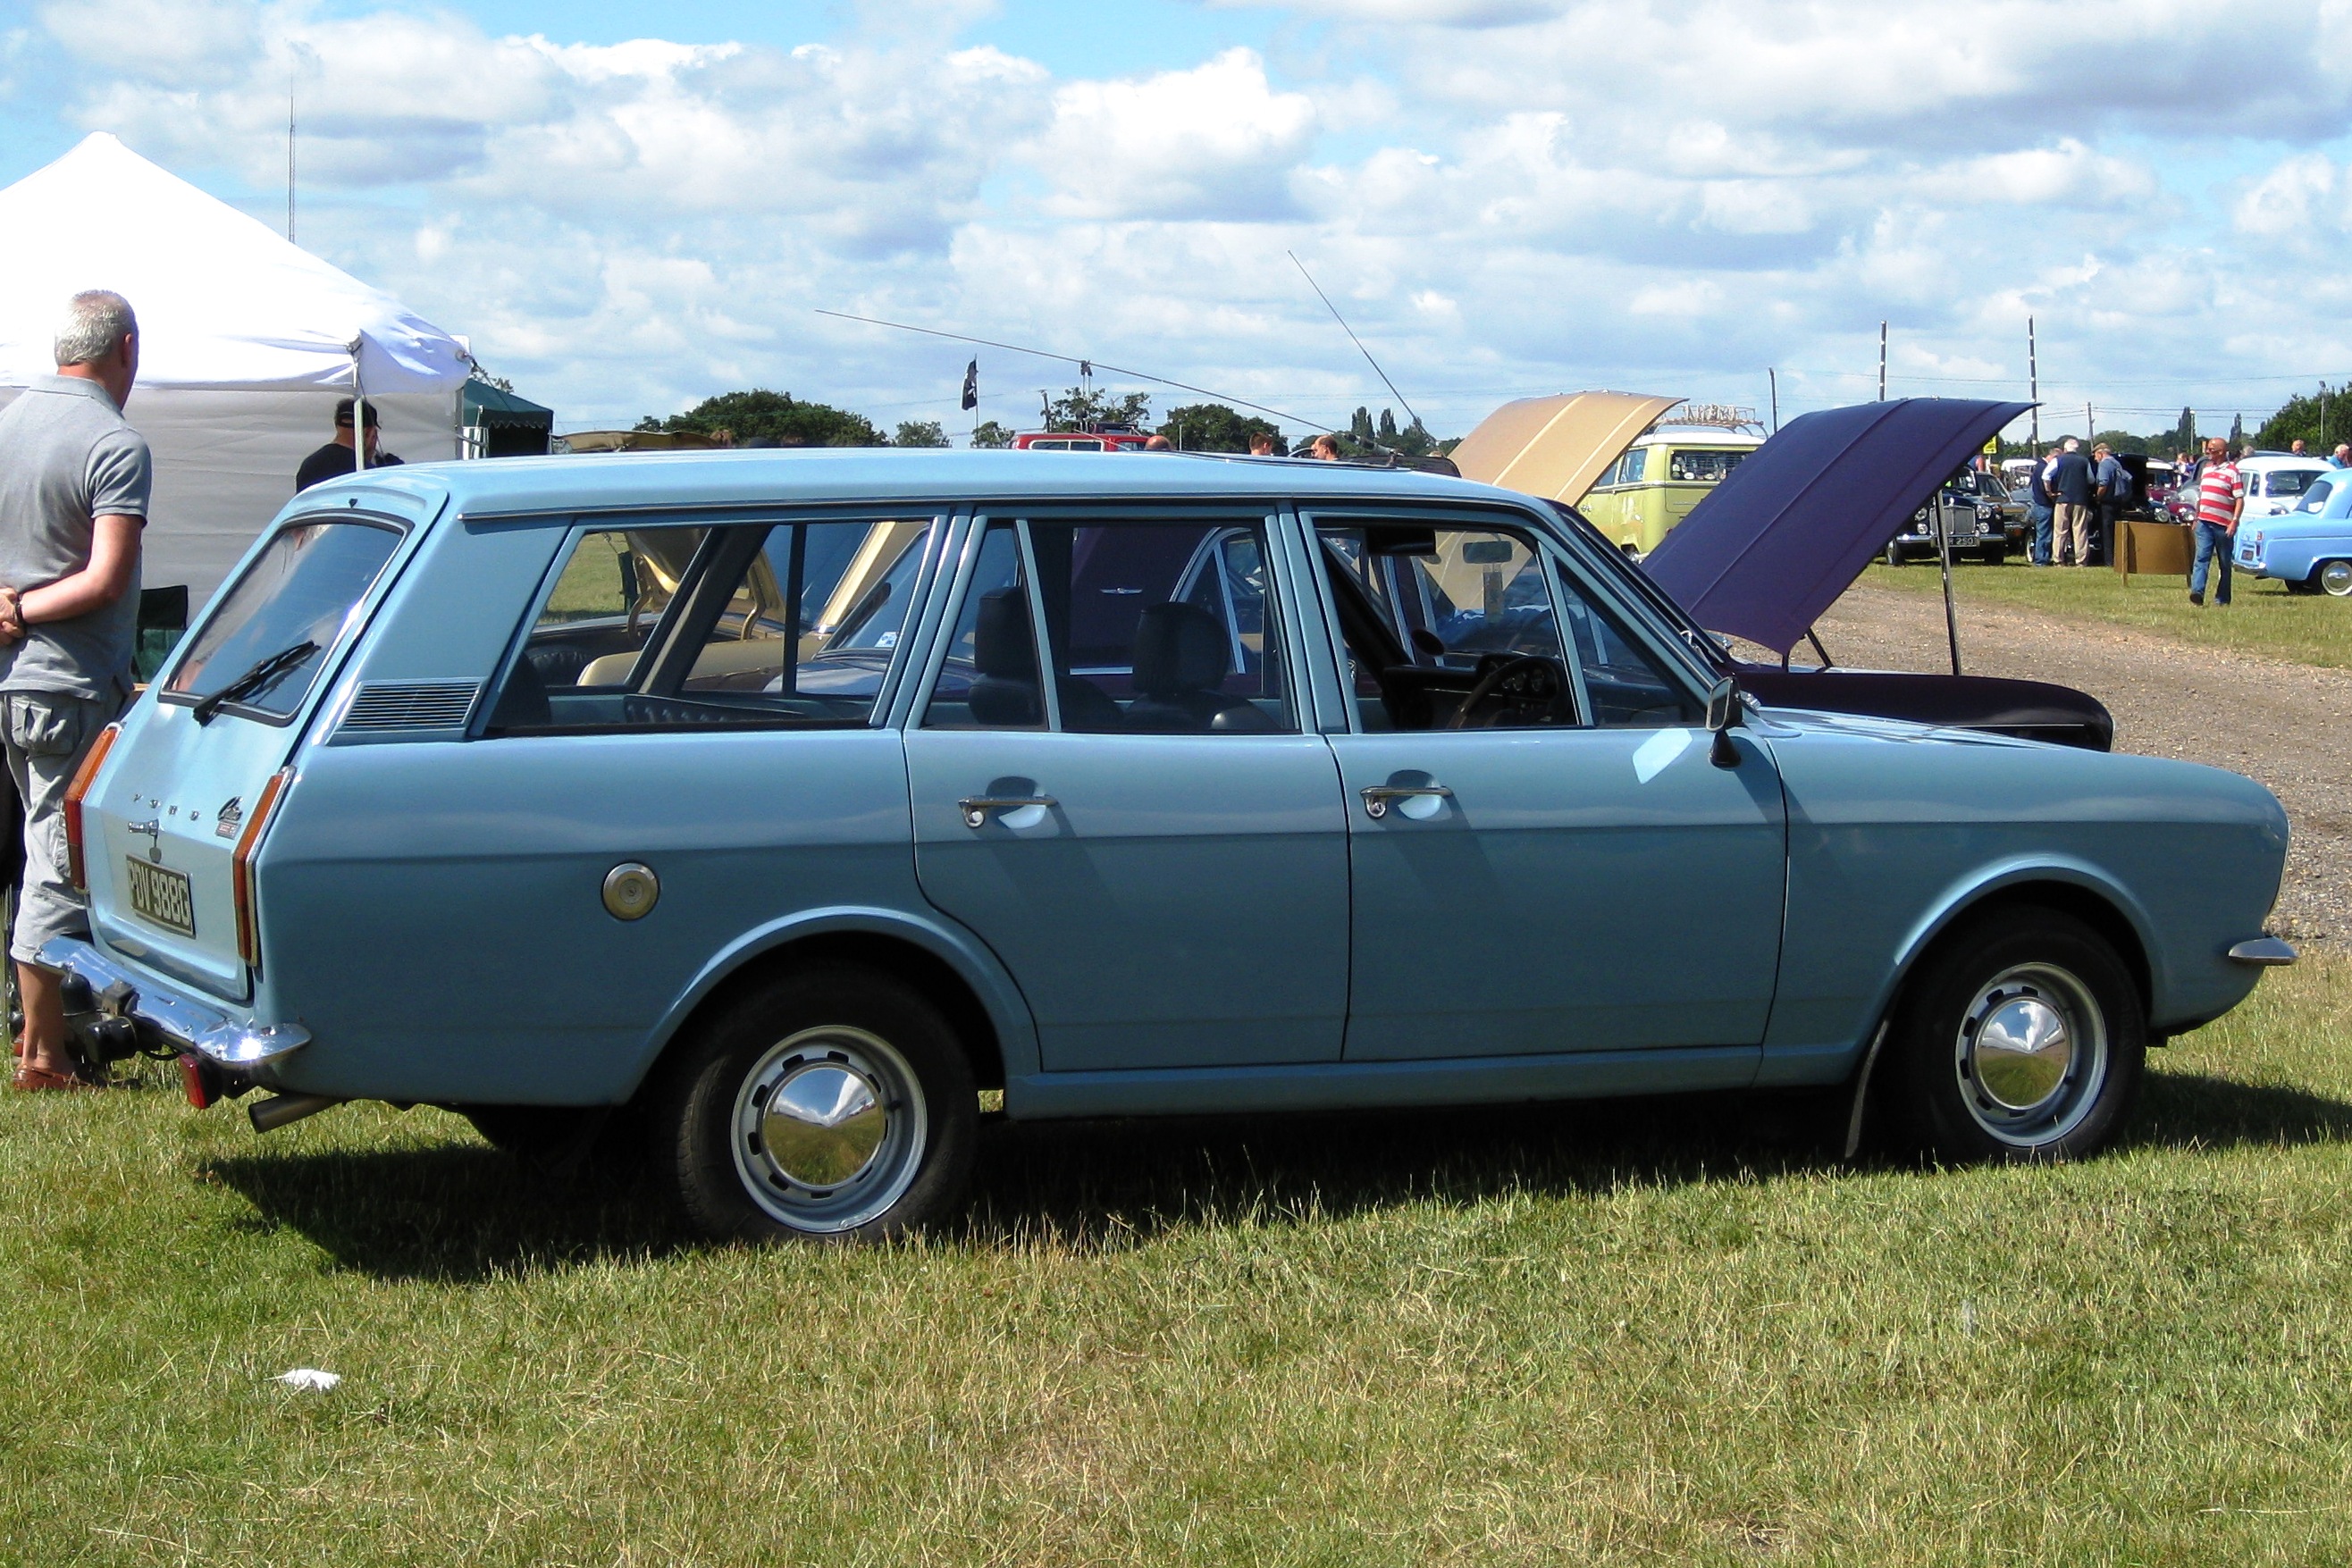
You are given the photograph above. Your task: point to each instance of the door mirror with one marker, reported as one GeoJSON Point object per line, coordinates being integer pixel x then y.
{"type": "Point", "coordinates": [1725, 713]}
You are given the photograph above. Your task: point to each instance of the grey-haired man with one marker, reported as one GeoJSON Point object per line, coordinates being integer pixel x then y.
{"type": "Point", "coordinates": [74, 482]}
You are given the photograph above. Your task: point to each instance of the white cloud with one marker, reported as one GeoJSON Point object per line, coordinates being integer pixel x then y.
{"type": "Point", "coordinates": [1214, 142]}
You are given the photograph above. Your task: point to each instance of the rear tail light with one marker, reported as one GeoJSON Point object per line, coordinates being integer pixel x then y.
{"type": "Point", "coordinates": [84, 777]}
{"type": "Point", "coordinates": [248, 927]}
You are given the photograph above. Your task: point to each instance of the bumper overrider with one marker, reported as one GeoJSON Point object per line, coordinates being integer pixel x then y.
{"type": "Point", "coordinates": [111, 1014]}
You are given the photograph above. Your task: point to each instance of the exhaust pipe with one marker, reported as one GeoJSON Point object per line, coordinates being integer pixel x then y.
{"type": "Point", "coordinates": [280, 1110]}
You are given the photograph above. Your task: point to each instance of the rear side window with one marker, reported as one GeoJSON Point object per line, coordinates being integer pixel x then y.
{"type": "Point", "coordinates": [760, 625]}
{"type": "Point", "coordinates": [263, 646]}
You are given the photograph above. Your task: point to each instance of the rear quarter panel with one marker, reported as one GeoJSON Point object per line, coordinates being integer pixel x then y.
{"type": "Point", "coordinates": [1894, 831]}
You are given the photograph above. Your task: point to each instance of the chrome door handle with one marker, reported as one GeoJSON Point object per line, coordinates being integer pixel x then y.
{"type": "Point", "coordinates": [976, 807]}
{"type": "Point", "coordinates": [1378, 795]}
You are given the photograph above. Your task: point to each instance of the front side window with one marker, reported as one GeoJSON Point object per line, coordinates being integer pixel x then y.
{"type": "Point", "coordinates": [1625, 687]}
{"type": "Point", "coordinates": [262, 647]}
{"type": "Point", "coordinates": [1428, 613]}
{"type": "Point", "coordinates": [776, 624]}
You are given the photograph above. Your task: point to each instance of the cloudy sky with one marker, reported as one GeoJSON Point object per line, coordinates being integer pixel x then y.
{"type": "Point", "coordinates": [630, 207]}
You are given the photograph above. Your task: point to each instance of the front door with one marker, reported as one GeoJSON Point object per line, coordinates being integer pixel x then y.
{"type": "Point", "coordinates": [1544, 858]}
{"type": "Point", "coordinates": [1135, 822]}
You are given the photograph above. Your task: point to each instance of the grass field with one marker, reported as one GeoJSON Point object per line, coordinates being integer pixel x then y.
{"type": "Point", "coordinates": [2264, 617]}
{"type": "Point", "coordinates": [1606, 1334]}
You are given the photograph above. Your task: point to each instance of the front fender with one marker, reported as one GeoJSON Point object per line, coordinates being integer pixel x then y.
{"type": "Point", "coordinates": [944, 939]}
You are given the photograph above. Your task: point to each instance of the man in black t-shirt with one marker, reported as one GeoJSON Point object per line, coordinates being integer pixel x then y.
{"type": "Point", "coordinates": [340, 456]}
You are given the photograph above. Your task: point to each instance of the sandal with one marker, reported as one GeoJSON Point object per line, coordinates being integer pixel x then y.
{"type": "Point", "coordinates": [30, 1080]}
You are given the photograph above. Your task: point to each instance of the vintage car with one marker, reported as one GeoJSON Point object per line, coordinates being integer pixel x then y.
{"type": "Point", "coordinates": [1985, 522]}
{"type": "Point", "coordinates": [1660, 478]}
{"type": "Point", "coordinates": [583, 795]}
{"type": "Point", "coordinates": [2308, 548]}
{"type": "Point", "coordinates": [2275, 481]}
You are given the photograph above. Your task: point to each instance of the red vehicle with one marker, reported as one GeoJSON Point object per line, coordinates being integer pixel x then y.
{"type": "Point", "coordinates": [1101, 438]}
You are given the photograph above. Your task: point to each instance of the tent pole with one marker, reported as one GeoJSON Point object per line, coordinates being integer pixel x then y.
{"type": "Point", "coordinates": [359, 412]}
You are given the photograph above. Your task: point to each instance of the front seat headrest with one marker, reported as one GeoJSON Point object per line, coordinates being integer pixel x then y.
{"type": "Point", "coordinates": [1001, 642]}
{"type": "Point", "coordinates": [1179, 648]}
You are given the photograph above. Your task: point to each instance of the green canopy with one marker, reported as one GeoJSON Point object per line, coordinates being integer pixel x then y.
{"type": "Point", "coordinates": [509, 426]}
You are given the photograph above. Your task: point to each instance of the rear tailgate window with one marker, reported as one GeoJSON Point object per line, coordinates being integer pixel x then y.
{"type": "Point", "coordinates": [261, 650]}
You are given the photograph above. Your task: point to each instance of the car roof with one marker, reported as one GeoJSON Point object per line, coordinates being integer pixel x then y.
{"type": "Point", "coordinates": [603, 482]}
{"type": "Point", "coordinates": [2267, 462]}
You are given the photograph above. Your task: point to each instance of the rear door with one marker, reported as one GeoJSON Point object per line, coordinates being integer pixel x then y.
{"type": "Point", "coordinates": [179, 789]}
{"type": "Point", "coordinates": [1142, 830]}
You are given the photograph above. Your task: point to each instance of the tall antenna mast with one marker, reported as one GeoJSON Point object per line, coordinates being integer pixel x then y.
{"type": "Point", "coordinates": [1351, 333]}
{"type": "Point", "coordinates": [289, 164]}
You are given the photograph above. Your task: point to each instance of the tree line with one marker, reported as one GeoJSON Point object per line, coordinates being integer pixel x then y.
{"type": "Point", "coordinates": [773, 418]}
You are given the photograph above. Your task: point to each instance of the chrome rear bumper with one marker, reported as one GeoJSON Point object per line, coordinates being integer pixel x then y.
{"type": "Point", "coordinates": [179, 1020]}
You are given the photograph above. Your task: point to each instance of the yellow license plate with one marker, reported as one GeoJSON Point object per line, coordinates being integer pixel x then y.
{"type": "Point", "coordinates": [161, 894]}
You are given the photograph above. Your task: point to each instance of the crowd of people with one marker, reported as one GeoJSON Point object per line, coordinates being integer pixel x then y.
{"type": "Point", "coordinates": [2077, 501]}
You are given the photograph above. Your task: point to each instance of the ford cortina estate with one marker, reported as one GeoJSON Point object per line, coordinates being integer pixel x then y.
{"type": "Point", "coordinates": [785, 803]}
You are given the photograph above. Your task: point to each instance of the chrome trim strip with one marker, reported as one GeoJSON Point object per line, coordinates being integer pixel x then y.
{"type": "Point", "coordinates": [2262, 953]}
{"type": "Point", "coordinates": [208, 1031]}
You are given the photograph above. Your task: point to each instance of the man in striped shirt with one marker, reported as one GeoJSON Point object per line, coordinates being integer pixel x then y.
{"type": "Point", "coordinates": [2220, 498]}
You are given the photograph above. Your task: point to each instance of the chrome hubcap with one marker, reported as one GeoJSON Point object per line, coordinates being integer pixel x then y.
{"type": "Point", "coordinates": [2031, 1054]}
{"type": "Point", "coordinates": [2336, 578]}
{"type": "Point", "coordinates": [829, 1129]}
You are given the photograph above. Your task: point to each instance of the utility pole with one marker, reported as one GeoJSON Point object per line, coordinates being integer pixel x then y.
{"type": "Point", "coordinates": [1882, 362]}
{"type": "Point", "coordinates": [2033, 389]}
{"type": "Point", "coordinates": [1773, 376]}
{"type": "Point", "coordinates": [289, 165]}
{"type": "Point", "coordinates": [2090, 431]}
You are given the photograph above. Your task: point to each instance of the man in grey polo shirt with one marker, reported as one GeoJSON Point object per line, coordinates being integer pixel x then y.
{"type": "Point", "coordinates": [74, 479]}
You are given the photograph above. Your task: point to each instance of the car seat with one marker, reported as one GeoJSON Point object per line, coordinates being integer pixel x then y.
{"type": "Point", "coordinates": [1005, 688]}
{"type": "Point", "coordinates": [1181, 657]}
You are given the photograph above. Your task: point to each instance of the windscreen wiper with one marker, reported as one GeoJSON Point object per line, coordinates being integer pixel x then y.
{"type": "Point", "coordinates": [266, 673]}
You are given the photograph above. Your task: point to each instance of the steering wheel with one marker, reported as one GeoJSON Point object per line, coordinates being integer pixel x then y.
{"type": "Point", "coordinates": [1512, 681]}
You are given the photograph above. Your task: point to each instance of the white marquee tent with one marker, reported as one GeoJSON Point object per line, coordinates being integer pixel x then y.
{"type": "Point", "coordinates": [245, 340]}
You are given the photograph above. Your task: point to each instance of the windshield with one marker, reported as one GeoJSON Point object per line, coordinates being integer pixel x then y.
{"type": "Point", "coordinates": [1703, 468]}
{"type": "Point", "coordinates": [273, 630]}
{"type": "Point", "coordinates": [2289, 481]}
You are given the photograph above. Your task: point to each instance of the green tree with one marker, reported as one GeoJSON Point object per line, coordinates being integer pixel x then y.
{"type": "Point", "coordinates": [2319, 420]}
{"type": "Point", "coordinates": [919, 433]}
{"type": "Point", "coordinates": [1080, 408]}
{"type": "Point", "coordinates": [1360, 428]}
{"type": "Point", "coordinates": [989, 434]}
{"type": "Point", "coordinates": [1214, 427]}
{"type": "Point", "coordinates": [1388, 434]}
{"type": "Point", "coordinates": [2124, 441]}
{"type": "Point", "coordinates": [779, 416]}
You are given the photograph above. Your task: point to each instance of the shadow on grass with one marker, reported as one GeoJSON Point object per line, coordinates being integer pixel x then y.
{"type": "Point", "coordinates": [463, 1213]}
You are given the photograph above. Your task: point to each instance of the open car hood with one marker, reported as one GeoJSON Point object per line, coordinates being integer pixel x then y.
{"type": "Point", "coordinates": [1787, 531]}
{"type": "Point", "coordinates": [1556, 447]}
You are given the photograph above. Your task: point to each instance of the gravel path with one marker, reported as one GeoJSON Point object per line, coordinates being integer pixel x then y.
{"type": "Point", "coordinates": [2287, 724]}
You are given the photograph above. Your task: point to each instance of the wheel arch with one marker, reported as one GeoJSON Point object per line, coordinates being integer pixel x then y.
{"type": "Point", "coordinates": [952, 969]}
{"type": "Point", "coordinates": [2073, 889]}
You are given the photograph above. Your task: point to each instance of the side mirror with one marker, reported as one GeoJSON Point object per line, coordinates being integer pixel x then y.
{"type": "Point", "coordinates": [1725, 713]}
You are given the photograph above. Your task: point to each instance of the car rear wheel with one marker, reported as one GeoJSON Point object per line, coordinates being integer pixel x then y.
{"type": "Point", "coordinates": [2335, 577]}
{"type": "Point", "coordinates": [2021, 1038]}
{"type": "Point", "coordinates": [834, 1103]}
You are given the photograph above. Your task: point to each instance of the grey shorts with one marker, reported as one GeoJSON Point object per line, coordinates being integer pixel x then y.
{"type": "Point", "coordinates": [46, 735]}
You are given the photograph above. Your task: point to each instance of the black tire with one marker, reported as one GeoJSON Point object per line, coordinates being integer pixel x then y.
{"type": "Point", "coordinates": [1994, 555]}
{"type": "Point", "coordinates": [2303, 584]}
{"type": "Point", "coordinates": [1962, 1087]}
{"type": "Point", "coordinates": [2335, 578]}
{"type": "Point", "coordinates": [880, 1137]}
{"type": "Point", "coordinates": [1893, 553]}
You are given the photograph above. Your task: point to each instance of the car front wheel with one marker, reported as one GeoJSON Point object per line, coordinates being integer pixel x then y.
{"type": "Point", "coordinates": [834, 1103]}
{"type": "Point", "coordinates": [2021, 1037]}
{"type": "Point", "coordinates": [2335, 577]}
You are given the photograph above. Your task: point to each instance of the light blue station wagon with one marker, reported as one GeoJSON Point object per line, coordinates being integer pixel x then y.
{"type": "Point", "coordinates": [776, 805]}
{"type": "Point", "coordinates": [2308, 548]}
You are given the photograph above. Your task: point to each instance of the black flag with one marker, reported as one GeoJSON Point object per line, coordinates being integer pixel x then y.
{"type": "Point", "coordinates": [971, 384]}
